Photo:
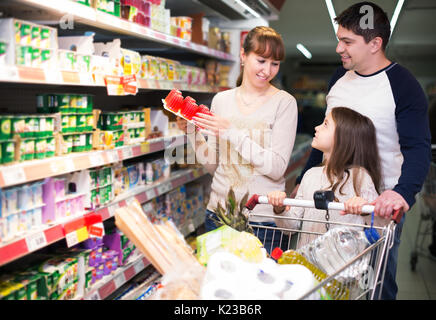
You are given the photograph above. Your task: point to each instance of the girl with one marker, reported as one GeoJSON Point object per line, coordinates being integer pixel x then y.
{"type": "Point", "coordinates": [351, 169]}
{"type": "Point", "coordinates": [254, 127]}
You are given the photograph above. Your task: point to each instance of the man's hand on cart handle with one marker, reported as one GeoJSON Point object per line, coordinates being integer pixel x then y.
{"type": "Point", "coordinates": [390, 204]}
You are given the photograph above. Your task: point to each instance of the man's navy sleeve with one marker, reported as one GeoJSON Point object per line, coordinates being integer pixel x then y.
{"type": "Point", "coordinates": [413, 129]}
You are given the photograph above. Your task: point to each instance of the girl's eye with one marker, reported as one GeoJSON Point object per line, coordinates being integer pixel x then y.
{"type": "Point", "coordinates": [275, 64]}
{"type": "Point", "coordinates": [261, 61]}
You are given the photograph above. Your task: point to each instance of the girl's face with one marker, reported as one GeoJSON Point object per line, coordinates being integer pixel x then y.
{"type": "Point", "coordinates": [259, 71]}
{"type": "Point", "coordinates": [324, 136]}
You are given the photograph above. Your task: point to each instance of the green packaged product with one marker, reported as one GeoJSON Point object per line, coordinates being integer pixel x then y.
{"type": "Point", "coordinates": [5, 127]}
{"type": "Point", "coordinates": [7, 151]}
{"type": "Point", "coordinates": [23, 56]}
{"type": "Point", "coordinates": [40, 148]}
{"type": "Point", "coordinates": [81, 122]}
{"type": "Point", "coordinates": [42, 103]}
{"type": "Point", "coordinates": [63, 103]}
{"type": "Point", "coordinates": [36, 57]}
{"type": "Point", "coordinates": [46, 55]}
{"type": "Point", "coordinates": [72, 123]}
{"type": "Point", "coordinates": [35, 39]}
{"type": "Point", "coordinates": [45, 38]}
{"type": "Point", "coordinates": [89, 122]}
{"type": "Point", "coordinates": [51, 147]}
{"type": "Point", "coordinates": [25, 31]}
{"type": "Point", "coordinates": [65, 119]}
{"type": "Point", "coordinates": [19, 125]}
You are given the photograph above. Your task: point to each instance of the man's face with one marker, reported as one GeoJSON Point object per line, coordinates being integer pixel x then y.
{"type": "Point", "coordinates": [353, 49]}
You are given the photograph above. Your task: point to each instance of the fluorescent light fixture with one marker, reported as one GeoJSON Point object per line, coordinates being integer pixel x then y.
{"type": "Point", "coordinates": [304, 51]}
{"type": "Point", "coordinates": [332, 14]}
{"type": "Point", "coordinates": [254, 13]}
{"type": "Point", "coordinates": [396, 15]}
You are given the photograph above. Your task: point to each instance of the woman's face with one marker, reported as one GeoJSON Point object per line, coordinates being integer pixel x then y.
{"type": "Point", "coordinates": [325, 135]}
{"type": "Point", "coordinates": [259, 71]}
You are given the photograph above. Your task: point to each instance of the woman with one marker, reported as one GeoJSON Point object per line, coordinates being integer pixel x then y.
{"type": "Point", "coordinates": [253, 130]}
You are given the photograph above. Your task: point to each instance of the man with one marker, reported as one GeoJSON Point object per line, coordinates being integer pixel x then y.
{"type": "Point", "coordinates": [392, 98]}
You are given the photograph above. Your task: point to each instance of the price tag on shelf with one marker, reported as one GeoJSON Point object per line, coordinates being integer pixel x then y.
{"type": "Point", "coordinates": [93, 296]}
{"type": "Point", "coordinates": [69, 165]}
{"type": "Point", "coordinates": [150, 194]}
{"type": "Point", "coordinates": [164, 187]}
{"type": "Point", "coordinates": [119, 280]}
{"type": "Point", "coordinates": [138, 266]}
{"type": "Point", "coordinates": [76, 236]}
{"type": "Point", "coordinates": [36, 241]}
{"type": "Point", "coordinates": [96, 159]}
{"type": "Point", "coordinates": [127, 153]}
{"type": "Point", "coordinates": [113, 156]}
{"type": "Point", "coordinates": [13, 175]}
{"type": "Point", "coordinates": [113, 208]}
{"type": "Point", "coordinates": [145, 147]}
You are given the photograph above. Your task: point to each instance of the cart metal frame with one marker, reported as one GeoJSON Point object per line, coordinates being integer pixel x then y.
{"type": "Point", "coordinates": [369, 286]}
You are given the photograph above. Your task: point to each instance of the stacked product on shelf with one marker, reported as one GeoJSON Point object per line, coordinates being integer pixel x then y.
{"type": "Point", "coordinates": [180, 205]}
{"type": "Point", "coordinates": [21, 210]}
{"type": "Point", "coordinates": [181, 27]}
{"type": "Point", "coordinates": [28, 44]}
{"type": "Point", "coordinates": [69, 273]}
{"type": "Point", "coordinates": [101, 186]}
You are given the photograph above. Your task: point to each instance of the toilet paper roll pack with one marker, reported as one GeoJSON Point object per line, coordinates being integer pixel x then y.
{"type": "Point", "coordinates": [229, 277]}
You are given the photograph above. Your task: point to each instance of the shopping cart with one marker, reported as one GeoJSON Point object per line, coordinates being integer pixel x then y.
{"type": "Point", "coordinates": [427, 217]}
{"type": "Point", "coordinates": [368, 268]}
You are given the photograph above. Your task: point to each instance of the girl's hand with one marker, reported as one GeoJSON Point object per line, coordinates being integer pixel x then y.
{"type": "Point", "coordinates": [354, 205]}
{"type": "Point", "coordinates": [212, 123]}
{"type": "Point", "coordinates": [276, 199]}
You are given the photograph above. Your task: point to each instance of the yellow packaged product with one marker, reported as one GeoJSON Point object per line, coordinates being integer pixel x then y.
{"type": "Point", "coordinates": [130, 62]}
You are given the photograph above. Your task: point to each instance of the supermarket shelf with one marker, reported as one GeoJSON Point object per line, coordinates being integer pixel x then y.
{"type": "Point", "coordinates": [29, 243]}
{"type": "Point", "coordinates": [108, 284]}
{"type": "Point", "coordinates": [28, 75]}
{"type": "Point", "coordinates": [93, 17]}
{"type": "Point", "coordinates": [39, 169]}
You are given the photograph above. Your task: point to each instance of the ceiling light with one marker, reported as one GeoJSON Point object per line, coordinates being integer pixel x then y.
{"type": "Point", "coordinates": [304, 51]}
{"type": "Point", "coordinates": [396, 15]}
{"type": "Point", "coordinates": [254, 13]}
{"type": "Point", "coordinates": [332, 14]}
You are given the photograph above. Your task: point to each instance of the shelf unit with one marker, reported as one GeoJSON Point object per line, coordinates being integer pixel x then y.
{"type": "Point", "coordinates": [28, 171]}
{"type": "Point", "coordinates": [39, 239]}
{"type": "Point", "coordinates": [28, 75]}
{"type": "Point", "coordinates": [57, 9]}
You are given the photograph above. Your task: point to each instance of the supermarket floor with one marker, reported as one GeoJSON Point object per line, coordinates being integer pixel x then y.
{"type": "Point", "coordinates": [421, 283]}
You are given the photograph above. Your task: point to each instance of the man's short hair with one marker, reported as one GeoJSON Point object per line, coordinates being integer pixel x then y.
{"type": "Point", "coordinates": [353, 19]}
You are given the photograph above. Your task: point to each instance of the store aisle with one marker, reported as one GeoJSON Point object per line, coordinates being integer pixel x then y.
{"type": "Point", "coordinates": [419, 284]}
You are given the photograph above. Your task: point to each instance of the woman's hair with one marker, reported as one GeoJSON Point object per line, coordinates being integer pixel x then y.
{"type": "Point", "coordinates": [355, 147]}
{"type": "Point", "coordinates": [265, 42]}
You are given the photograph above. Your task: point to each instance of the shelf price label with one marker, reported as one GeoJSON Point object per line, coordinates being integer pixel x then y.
{"type": "Point", "coordinates": [13, 176]}
{"type": "Point", "coordinates": [76, 236]}
{"type": "Point", "coordinates": [121, 85]}
{"type": "Point", "coordinates": [164, 187]}
{"type": "Point", "coordinates": [36, 241]}
{"type": "Point", "coordinates": [94, 296]}
{"type": "Point", "coordinates": [119, 280]}
{"type": "Point", "coordinates": [96, 160]}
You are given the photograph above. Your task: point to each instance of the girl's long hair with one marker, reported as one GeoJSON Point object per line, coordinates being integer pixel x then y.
{"type": "Point", "coordinates": [265, 42]}
{"type": "Point", "coordinates": [355, 146]}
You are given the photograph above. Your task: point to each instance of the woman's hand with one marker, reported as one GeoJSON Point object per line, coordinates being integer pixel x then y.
{"type": "Point", "coordinates": [276, 199]}
{"type": "Point", "coordinates": [213, 123]}
{"type": "Point", "coordinates": [354, 205]}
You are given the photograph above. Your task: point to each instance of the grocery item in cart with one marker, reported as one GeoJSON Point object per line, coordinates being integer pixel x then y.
{"type": "Point", "coordinates": [336, 248]}
{"type": "Point", "coordinates": [228, 277]}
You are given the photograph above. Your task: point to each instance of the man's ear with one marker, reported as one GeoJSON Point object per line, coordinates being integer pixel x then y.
{"type": "Point", "coordinates": [376, 44]}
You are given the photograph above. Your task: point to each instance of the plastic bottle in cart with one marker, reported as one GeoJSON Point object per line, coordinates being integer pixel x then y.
{"type": "Point", "coordinates": [334, 249]}
{"type": "Point", "coordinates": [334, 289]}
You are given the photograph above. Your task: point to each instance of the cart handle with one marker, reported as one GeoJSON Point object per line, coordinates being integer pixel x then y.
{"type": "Point", "coordinates": [256, 199]}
